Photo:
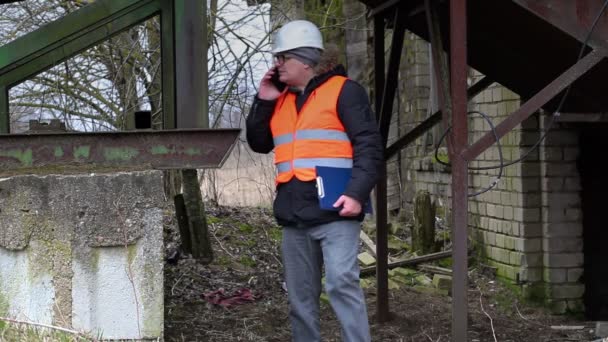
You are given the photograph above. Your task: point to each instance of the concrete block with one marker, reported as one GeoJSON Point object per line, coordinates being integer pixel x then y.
{"type": "Point", "coordinates": [571, 153]}
{"type": "Point", "coordinates": [366, 259]}
{"type": "Point", "coordinates": [560, 244]}
{"type": "Point", "coordinates": [515, 258]}
{"type": "Point", "coordinates": [527, 214]}
{"type": "Point", "coordinates": [500, 240]}
{"type": "Point", "coordinates": [442, 282]}
{"type": "Point", "coordinates": [531, 274]}
{"type": "Point", "coordinates": [552, 154]}
{"type": "Point", "coordinates": [566, 260]}
{"type": "Point", "coordinates": [563, 230]}
{"type": "Point", "coordinates": [555, 275]}
{"type": "Point", "coordinates": [532, 260]}
{"type": "Point", "coordinates": [93, 256]}
{"type": "Point", "coordinates": [575, 274]}
{"type": "Point", "coordinates": [528, 245]}
{"type": "Point", "coordinates": [572, 184]}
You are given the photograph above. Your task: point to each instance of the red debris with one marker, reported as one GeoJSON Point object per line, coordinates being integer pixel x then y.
{"type": "Point", "coordinates": [219, 297]}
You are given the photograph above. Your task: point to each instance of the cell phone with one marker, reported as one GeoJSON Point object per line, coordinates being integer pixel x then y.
{"type": "Point", "coordinates": [276, 82]}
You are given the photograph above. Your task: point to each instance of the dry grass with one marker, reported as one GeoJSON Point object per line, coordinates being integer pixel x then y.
{"type": "Point", "coordinates": [28, 332]}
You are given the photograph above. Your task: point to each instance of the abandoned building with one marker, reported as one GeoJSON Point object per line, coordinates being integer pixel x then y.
{"type": "Point", "coordinates": [540, 224]}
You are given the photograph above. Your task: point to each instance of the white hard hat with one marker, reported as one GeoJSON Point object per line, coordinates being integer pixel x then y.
{"type": "Point", "coordinates": [296, 34]}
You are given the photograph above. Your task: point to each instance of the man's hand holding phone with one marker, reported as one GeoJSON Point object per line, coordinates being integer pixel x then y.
{"type": "Point", "coordinates": [270, 86]}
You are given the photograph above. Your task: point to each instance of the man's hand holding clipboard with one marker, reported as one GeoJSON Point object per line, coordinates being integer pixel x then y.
{"type": "Point", "coordinates": [331, 184]}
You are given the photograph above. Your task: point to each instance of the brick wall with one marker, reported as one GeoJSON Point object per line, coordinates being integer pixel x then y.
{"type": "Point", "coordinates": [529, 226]}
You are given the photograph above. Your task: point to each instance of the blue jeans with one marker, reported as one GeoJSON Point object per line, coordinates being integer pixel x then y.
{"type": "Point", "coordinates": [305, 250]}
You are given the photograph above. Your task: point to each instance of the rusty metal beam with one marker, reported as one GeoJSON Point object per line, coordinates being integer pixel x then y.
{"type": "Point", "coordinates": [431, 121]}
{"type": "Point", "coordinates": [535, 102]}
{"type": "Point", "coordinates": [458, 85]}
{"type": "Point", "coordinates": [114, 151]}
{"type": "Point", "coordinates": [558, 13]}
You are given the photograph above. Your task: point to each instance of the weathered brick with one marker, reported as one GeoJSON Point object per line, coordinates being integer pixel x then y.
{"type": "Point", "coordinates": [515, 258]}
{"type": "Point", "coordinates": [501, 255]}
{"type": "Point", "coordinates": [561, 169]}
{"type": "Point", "coordinates": [507, 271]}
{"type": "Point", "coordinates": [490, 238]}
{"type": "Point", "coordinates": [491, 210]}
{"type": "Point", "coordinates": [560, 244]}
{"type": "Point", "coordinates": [571, 153]}
{"type": "Point", "coordinates": [564, 199]}
{"type": "Point", "coordinates": [530, 184]}
{"type": "Point", "coordinates": [532, 260]}
{"type": "Point", "coordinates": [510, 242]}
{"type": "Point", "coordinates": [526, 214]}
{"type": "Point", "coordinates": [500, 240]}
{"type": "Point", "coordinates": [508, 213]}
{"type": "Point", "coordinates": [552, 184]}
{"type": "Point", "coordinates": [530, 200]}
{"type": "Point", "coordinates": [531, 230]}
{"type": "Point", "coordinates": [572, 184]}
{"type": "Point", "coordinates": [552, 154]}
{"type": "Point", "coordinates": [561, 138]}
{"type": "Point", "coordinates": [566, 291]}
{"type": "Point", "coordinates": [563, 259]}
{"type": "Point", "coordinates": [528, 245]}
{"type": "Point", "coordinates": [555, 275]}
{"type": "Point", "coordinates": [531, 274]}
{"type": "Point", "coordinates": [566, 230]}
{"type": "Point", "coordinates": [575, 274]}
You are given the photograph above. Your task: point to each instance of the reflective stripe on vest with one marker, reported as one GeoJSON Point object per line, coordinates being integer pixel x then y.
{"type": "Point", "coordinates": [313, 137]}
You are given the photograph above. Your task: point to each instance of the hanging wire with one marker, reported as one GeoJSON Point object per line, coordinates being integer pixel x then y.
{"type": "Point", "coordinates": [554, 116]}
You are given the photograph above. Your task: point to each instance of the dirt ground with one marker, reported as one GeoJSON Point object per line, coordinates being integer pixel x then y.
{"type": "Point", "coordinates": [248, 270]}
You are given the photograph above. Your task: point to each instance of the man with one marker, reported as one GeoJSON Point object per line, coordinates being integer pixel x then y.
{"type": "Point", "coordinates": [320, 119]}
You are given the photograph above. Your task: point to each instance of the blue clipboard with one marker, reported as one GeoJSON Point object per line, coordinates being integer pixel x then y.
{"type": "Point", "coordinates": [331, 184]}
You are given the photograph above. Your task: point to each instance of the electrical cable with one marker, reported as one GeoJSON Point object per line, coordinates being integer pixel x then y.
{"type": "Point", "coordinates": [500, 155]}
{"type": "Point", "coordinates": [555, 114]}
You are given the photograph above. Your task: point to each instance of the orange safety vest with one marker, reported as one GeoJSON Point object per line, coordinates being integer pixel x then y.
{"type": "Point", "coordinates": [313, 137]}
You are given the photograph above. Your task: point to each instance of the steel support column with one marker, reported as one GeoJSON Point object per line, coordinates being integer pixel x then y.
{"type": "Point", "coordinates": [386, 109]}
{"type": "Point", "coordinates": [189, 65]}
{"type": "Point", "coordinates": [382, 312]}
{"type": "Point", "coordinates": [458, 86]}
{"type": "Point", "coordinates": [167, 31]}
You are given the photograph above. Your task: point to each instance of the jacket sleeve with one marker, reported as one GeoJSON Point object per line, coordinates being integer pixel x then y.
{"type": "Point", "coordinates": [259, 135]}
{"type": "Point", "coordinates": [362, 130]}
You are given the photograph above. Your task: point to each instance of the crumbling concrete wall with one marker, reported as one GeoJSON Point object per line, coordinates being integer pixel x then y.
{"type": "Point", "coordinates": [84, 252]}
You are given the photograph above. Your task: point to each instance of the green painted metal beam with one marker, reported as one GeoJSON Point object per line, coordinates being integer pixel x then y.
{"type": "Point", "coordinates": [64, 38]}
{"type": "Point", "coordinates": [114, 151]}
{"type": "Point", "coordinates": [4, 106]}
{"type": "Point", "coordinates": [167, 28]}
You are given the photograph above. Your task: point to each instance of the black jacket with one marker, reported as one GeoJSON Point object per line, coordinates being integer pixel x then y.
{"type": "Point", "coordinates": [296, 203]}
